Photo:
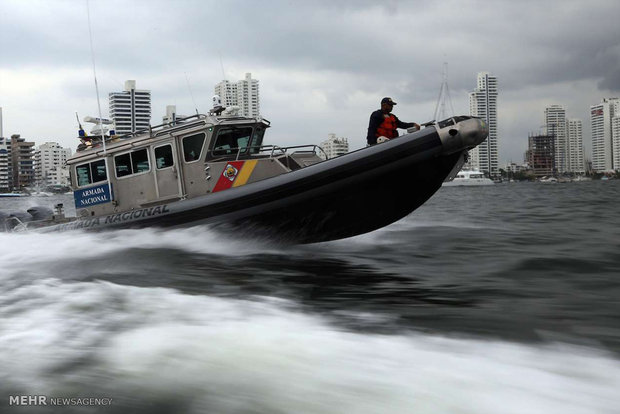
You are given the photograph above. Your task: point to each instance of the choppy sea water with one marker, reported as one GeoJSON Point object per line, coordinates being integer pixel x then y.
{"type": "Point", "coordinates": [502, 299]}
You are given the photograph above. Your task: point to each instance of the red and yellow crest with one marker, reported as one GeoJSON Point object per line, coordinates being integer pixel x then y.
{"type": "Point", "coordinates": [230, 172]}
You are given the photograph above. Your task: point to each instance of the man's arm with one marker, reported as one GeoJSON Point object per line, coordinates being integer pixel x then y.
{"type": "Point", "coordinates": [405, 125]}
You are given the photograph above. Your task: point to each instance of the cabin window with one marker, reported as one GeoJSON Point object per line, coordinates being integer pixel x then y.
{"type": "Point", "coordinates": [232, 140]}
{"type": "Point", "coordinates": [163, 157]}
{"type": "Point", "coordinates": [90, 173]}
{"type": "Point", "coordinates": [122, 164]}
{"type": "Point", "coordinates": [192, 147]}
{"type": "Point", "coordinates": [257, 140]}
{"type": "Point", "coordinates": [131, 163]}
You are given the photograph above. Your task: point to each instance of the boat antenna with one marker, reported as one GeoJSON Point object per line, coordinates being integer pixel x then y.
{"type": "Point", "coordinates": [92, 53]}
{"type": "Point", "coordinates": [222, 65]}
{"type": "Point", "coordinates": [81, 130]}
{"type": "Point", "coordinates": [190, 93]}
{"type": "Point", "coordinates": [440, 107]}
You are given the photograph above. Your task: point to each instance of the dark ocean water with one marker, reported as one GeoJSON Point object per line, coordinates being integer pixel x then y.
{"type": "Point", "coordinates": [502, 299]}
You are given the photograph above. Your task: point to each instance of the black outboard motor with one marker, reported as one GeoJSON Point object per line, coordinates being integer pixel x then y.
{"type": "Point", "coordinates": [40, 213]}
{"type": "Point", "coordinates": [3, 223]}
{"type": "Point", "coordinates": [15, 219]}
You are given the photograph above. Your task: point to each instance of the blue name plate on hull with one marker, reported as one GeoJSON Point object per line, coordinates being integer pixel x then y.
{"type": "Point", "coordinates": [91, 196]}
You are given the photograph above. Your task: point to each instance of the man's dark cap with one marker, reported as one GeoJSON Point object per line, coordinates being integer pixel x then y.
{"type": "Point", "coordinates": [387, 101]}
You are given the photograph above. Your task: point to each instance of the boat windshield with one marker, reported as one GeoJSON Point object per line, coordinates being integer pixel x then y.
{"type": "Point", "coordinates": [230, 140]}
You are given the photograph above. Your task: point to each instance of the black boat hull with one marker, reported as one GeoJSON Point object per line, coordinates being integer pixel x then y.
{"type": "Point", "coordinates": [342, 197]}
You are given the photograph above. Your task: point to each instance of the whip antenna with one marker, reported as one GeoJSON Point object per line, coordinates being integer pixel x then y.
{"type": "Point", "coordinates": [92, 53]}
{"type": "Point", "coordinates": [190, 93]}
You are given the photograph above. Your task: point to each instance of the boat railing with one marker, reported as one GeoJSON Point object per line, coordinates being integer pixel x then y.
{"type": "Point", "coordinates": [268, 151]}
{"type": "Point", "coordinates": [152, 130]}
{"type": "Point", "coordinates": [164, 128]}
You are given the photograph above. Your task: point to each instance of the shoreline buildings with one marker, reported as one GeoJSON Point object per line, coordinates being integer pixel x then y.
{"type": "Point", "coordinates": [20, 153]}
{"type": "Point", "coordinates": [555, 126]}
{"type": "Point", "coordinates": [568, 140]}
{"type": "Point", "coordinates": [50, 160]}
{"type": "Point", "coordinates": [605, 120]}
{"type": "Point", "coordinates": [541, 154]}
{"type": "Point", "coordinates": [334, 146]}
{"type": "Point", "coordinates": [130, 110]}
{"type": "Point", "coordinates": [576, 157]}
{"type": "Point", "coordinates": [243, 94]}
{"type": "Point", "coordinates": [483, 104]}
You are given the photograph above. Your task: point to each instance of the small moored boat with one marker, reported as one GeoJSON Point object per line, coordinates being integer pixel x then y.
{"type": "Point", "coordinates": [215, 169]}
{"type": "Point", "coordinates": [468, 178]}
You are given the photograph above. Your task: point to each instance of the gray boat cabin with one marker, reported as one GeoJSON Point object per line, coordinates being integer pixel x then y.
{"type": "Point", "coordinates": [193, 157]}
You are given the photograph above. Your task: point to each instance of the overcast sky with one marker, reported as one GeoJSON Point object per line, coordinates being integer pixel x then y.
{"type": "Point", "coordinates": [323, 65]}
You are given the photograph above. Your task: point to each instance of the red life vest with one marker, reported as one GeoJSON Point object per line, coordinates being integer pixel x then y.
{"type": "Point", "coordinates": [388, 127]}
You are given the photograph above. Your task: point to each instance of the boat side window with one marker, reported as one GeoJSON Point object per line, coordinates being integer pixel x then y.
{"type": "Point", "coordinates": [140, 161]}
{"type": "Point", "coordinates": [257, 140]}
{"type": "Point", "coordinates": [163, 157]}
{"type": "Point", "coordinates": [97, 171]}
{"type": "Point", "coordinates": [122, 164]}
{"type": "Point", "coordinates": [232, 140]}
{"type": "Point", "coordinates": [83, 174]}
{"type": "Point", "coordinates": [192, 147]}
{"type": "Point", "coordinates": [91, 172]}
{"type": "Point", "coordinates": [131, 163]}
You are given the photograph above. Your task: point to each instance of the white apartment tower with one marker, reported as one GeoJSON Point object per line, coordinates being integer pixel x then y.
{"type": "Point", "coordinates": [227, 92]}
{"type": "Point", "coordinates": [50, 161]}
{"type": "Point", "coordinates": [130, 110]}
{"type": "Point", "coordinates": [615, 134]}
{"type": "Point", "coordinates": [574, 139]}
{"type": "Point", "coordinates": [604, 152]}
{"type": "Point", "coordinates": [555, 125]}
{"type": "Point", "coordinates": [5, 165]}
{"type": "Point", "coordinates": [483, 104]}
{"type": "Point", "coordinates": [5, 160]}
{"type": "Point", "coordinates": [334, 146]}
{"type": "Point", "coordinates": [243, 93]}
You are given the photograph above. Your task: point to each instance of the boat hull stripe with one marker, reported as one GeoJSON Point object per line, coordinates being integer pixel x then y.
{"type": "Point", "coordinates": [228, 176]}
{"type": "Point", "coordinates": [244, 174]}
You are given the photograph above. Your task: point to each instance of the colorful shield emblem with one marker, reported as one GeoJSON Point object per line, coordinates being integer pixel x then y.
{"type": "Point", "coordinates": [230, 172]}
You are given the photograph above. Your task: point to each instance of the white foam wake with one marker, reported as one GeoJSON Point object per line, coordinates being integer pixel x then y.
{"type": "Point", "coordinates": [149, 346]}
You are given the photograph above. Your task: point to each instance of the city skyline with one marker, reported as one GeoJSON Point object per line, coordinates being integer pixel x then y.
{"type": "Point", "coordinates": [323, 67]}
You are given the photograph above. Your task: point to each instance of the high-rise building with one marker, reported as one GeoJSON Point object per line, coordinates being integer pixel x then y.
{"type": "Point", "coordinates": [227, 92]}
{"type": "Point", "coordinates": [574, 133]}
{"type": "Point", "coordinates": [555, 125]}
{"type": "Point", "coordinates": [615, 136]}
{"type": "Point", "coordinates": [21, 161]}
{"type": "Point", "coordinates": [50, 160]}
{"type": "Point", "coordinates": [243, 94]}
{"type": "Point", "coordinates": [541, 154]}
{"type": "Point", "coordinates": [333, 146]}
{"type": "Point", "coordinates": [130, 110]}
{"type": "Point", "coordinates": [5, 161]}
{"type": "Point", "coordinates": [601, 116]}
{"type": "Point", "coordinates": [483, 104]}
{"type": "Point", "coordinates": [5, 166]}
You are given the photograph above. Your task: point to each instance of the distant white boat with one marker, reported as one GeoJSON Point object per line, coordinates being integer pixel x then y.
{"type": "Point", "coordinates": [548, 180]}
{"type": "Point", "coordinates": [469, 178]}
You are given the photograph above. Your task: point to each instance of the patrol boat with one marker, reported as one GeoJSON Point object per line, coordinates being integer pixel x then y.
{"type": "Point", "coordinates": [215, 169]}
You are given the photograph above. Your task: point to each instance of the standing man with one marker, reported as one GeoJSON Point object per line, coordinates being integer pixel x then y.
{"type": "Point", "coordinates": [383, 123]}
